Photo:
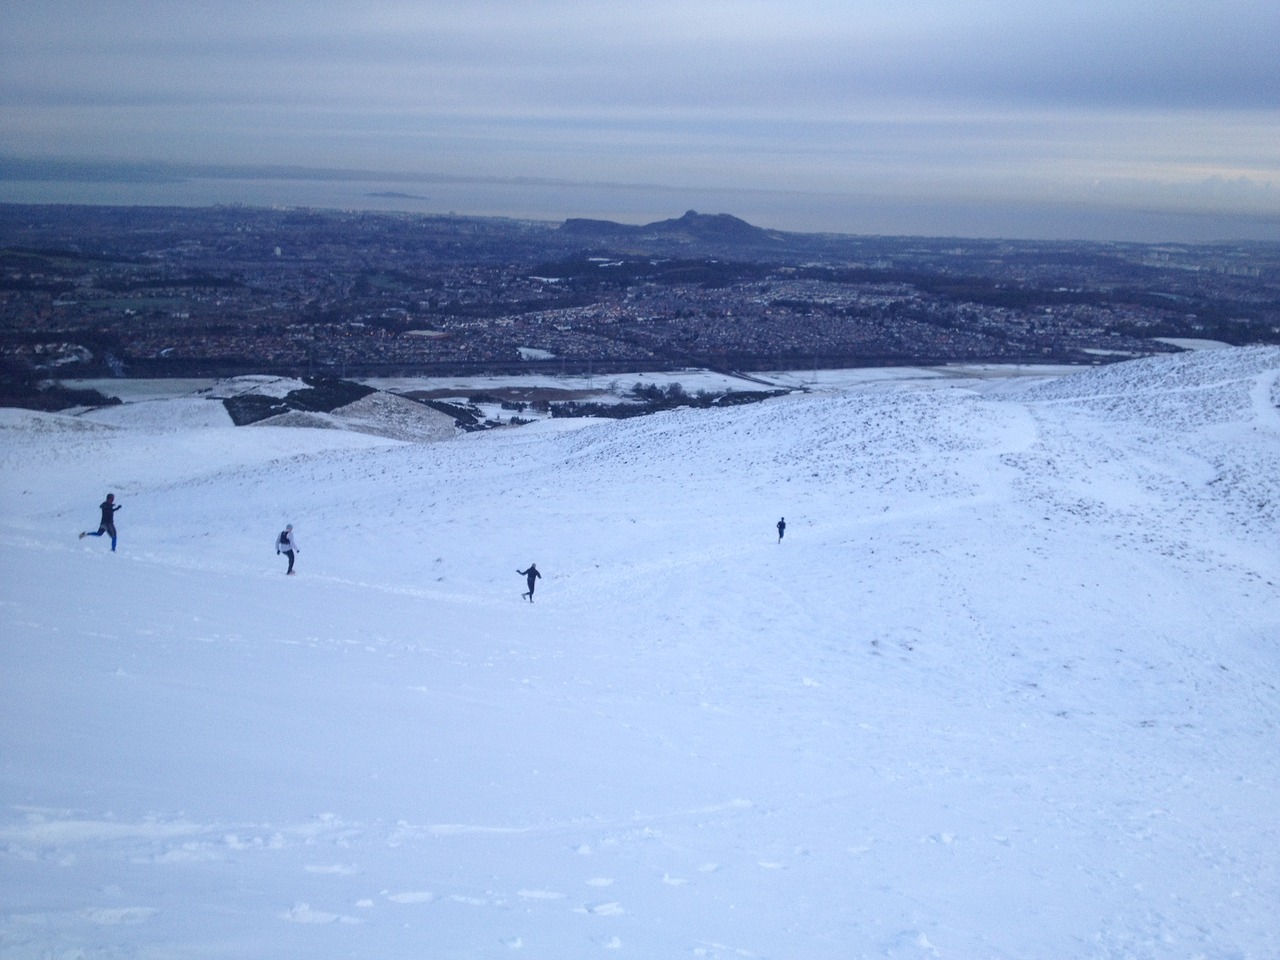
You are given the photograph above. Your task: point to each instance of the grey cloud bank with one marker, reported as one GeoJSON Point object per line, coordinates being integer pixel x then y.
{"type": "Point", "coordinates": [1126, 106]}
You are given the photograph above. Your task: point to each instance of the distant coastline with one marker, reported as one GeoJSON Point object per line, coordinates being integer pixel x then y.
{"type": "Point", "coordinates": [157, 184]}
{"type": "Point", "coordinates": [398, 195]}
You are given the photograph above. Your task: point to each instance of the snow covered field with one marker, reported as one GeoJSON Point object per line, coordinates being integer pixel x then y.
{"type": "Point", "coordinates": [1008, 688]}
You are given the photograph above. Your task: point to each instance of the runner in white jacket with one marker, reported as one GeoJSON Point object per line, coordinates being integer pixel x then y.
{"type": "Point", "coordinates": [288, 545]}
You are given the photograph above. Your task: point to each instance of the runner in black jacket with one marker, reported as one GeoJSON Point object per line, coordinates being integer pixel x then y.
{"type": "Point", "coordinates": [108, 522]}
{"type": "Point", "coordinates": [531, 575]}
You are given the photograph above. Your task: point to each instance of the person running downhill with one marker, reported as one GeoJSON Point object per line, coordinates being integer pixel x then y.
{"type": "Point", "coordinates": [531, 575]}
{"type": "Point", "coordinates": [782, 528]}
{"type": "Point", "coordinates": [286, 544]}
{"type": "Point", "coordinates": [108, 522]}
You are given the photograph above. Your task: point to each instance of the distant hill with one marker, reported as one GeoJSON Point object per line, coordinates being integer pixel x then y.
{"type": "Point", "coordinates": [693, 226]}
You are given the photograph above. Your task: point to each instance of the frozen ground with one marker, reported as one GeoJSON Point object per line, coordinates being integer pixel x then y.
{"type": "Point", "coordinates": [1008, 688]}
{"type": "Point", "coordinates": [460, 386]}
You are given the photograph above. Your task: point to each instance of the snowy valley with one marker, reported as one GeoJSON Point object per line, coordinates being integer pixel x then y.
{"type": "Point", "coordinates": [1006, 690]}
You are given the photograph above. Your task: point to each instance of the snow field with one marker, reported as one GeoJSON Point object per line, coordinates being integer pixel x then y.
{"type": "Point", "coordinates": [1007, 689]}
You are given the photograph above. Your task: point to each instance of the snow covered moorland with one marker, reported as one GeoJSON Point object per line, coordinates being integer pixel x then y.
{"type": "Point", "coordinates": [1007, 689]}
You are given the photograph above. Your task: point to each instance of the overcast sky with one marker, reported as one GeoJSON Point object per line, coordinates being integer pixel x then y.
{"type": "Point", "coordinates": [1141, 103]}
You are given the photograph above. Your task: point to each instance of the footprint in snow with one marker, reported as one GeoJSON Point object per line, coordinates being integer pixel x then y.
{"type": "Point", "coordinates": [116, 916]}
{"type": "Point", "coordinates": [911, 943]}
{"type": "Point", "coordinates": [412, 896]}
{"type": "Point", "coordinates": [342, 869]}
{"type": "Point", "coordinates": [303, 913]}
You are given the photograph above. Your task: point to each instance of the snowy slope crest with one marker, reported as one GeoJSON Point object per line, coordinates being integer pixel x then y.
{"type": "Point", "coordinates": [1200, 427]}
{"type": "Point", "coordinates": [1180, 391]}
{"type": "Point", "coordinates": [379, 414]}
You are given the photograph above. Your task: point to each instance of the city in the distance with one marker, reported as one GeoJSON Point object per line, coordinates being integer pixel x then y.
{"type": "Point", "coordinates": [106, 291]}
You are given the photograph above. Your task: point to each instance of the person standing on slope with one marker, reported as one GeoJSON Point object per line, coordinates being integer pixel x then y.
{"type": "Point", "coordinates": [286, 544]}
{"type": "Point", "coordinates": [108, 522]}
{"type": "Point", "coordinates": [531, 575]}
{"type": "Point", "coordinates": [782, 528]}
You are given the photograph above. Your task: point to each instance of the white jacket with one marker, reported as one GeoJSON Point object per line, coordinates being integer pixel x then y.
{"type": "Point", "coordinates": [286, 542]}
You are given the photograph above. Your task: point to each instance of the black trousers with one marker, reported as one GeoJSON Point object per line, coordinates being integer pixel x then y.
{"type": "Point", "coordinates": [110, 530]}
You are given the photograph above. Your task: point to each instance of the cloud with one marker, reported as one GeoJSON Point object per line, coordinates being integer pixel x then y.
{"type": "Point", "coordinates": [973, 98]}
{"type": "Point", "coordinates": [675, 55]}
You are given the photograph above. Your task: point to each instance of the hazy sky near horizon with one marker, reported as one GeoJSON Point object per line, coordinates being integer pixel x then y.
{"type": "Point", "coordinates": [1147, 103]}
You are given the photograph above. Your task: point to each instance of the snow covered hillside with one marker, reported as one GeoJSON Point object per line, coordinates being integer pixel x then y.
{"type": "Point", "coordinates": [1007, 689]}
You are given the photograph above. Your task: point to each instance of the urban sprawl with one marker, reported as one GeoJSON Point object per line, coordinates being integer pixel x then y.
{"type": "Point", "coordinates": [128, 291]}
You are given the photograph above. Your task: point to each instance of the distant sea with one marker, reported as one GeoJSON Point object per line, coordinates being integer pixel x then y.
{"type": "Point", "coordinates": [549, 201]}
